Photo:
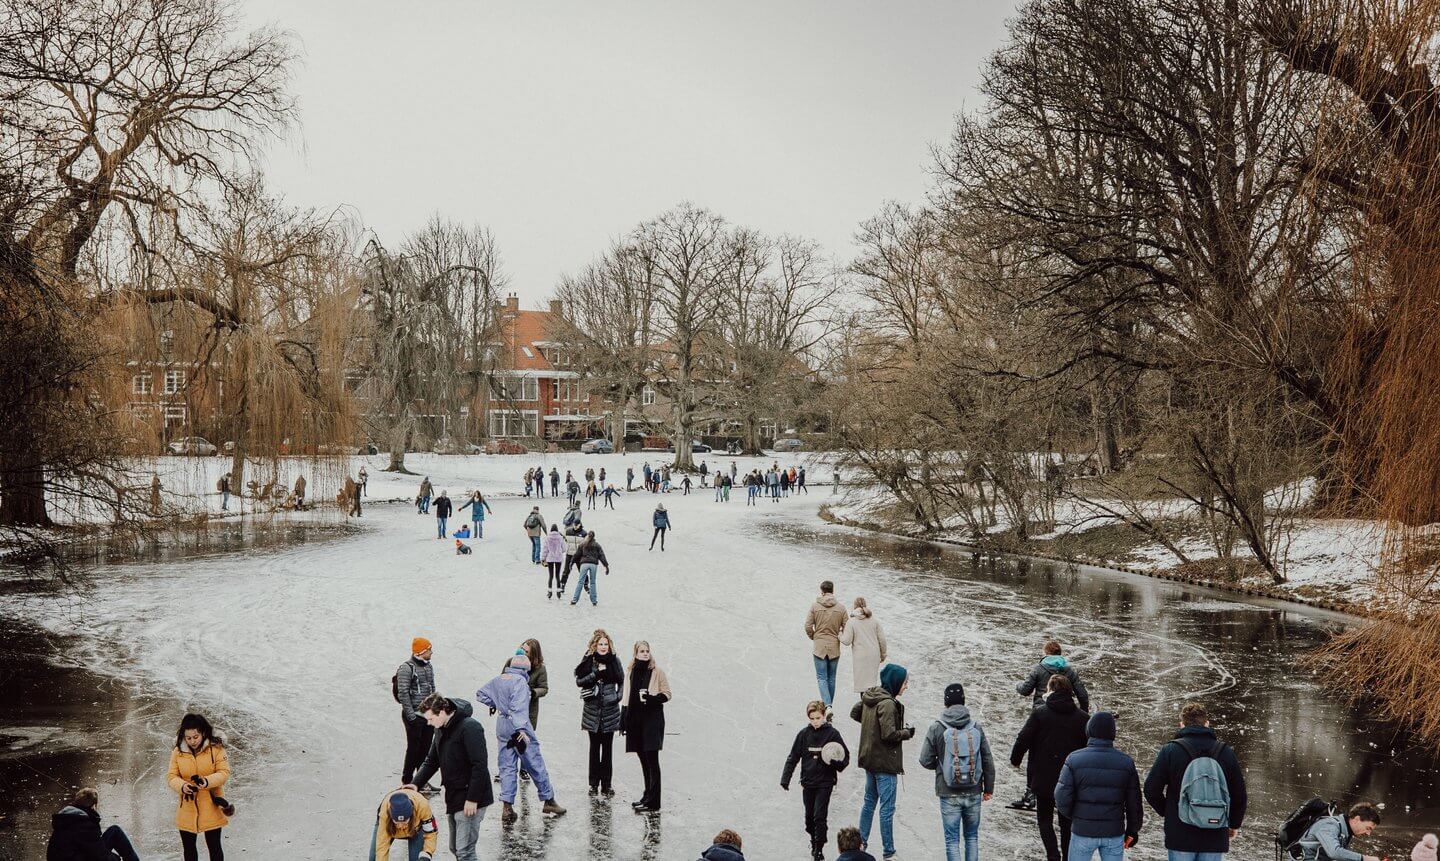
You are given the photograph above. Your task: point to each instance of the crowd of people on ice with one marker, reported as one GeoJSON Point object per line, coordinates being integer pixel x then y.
{"type": "Point", "coordinates": [1076, 771]}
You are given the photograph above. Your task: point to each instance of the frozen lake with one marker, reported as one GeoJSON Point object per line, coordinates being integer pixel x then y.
{"type": "Point", "coordinates": [288, 644]}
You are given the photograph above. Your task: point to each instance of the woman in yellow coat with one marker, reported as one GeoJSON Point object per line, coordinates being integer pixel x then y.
{"type": "Point", "coordinates": [198, 769]}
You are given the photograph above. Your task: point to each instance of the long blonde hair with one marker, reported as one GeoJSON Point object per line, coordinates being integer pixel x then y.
{"type": "Point", "coordinates": [639, 644]}
{"type": "Point", "coordinates": [863, 608]}
{"type": "Point", "coordinates": [595, 639]}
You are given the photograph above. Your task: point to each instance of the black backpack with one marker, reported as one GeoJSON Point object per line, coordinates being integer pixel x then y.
{"type": "Point", "coordinates": [395, 683]}
{"type": "Point", "coordinates": [1287, 837]}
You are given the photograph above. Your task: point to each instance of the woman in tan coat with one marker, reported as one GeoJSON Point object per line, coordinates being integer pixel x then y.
{"type": "Point", "coordinates": [642, 721]}
{"type": "Point", "coordinates": [868, 650]}
{"type": "Point", "coordinates": [198, 770]}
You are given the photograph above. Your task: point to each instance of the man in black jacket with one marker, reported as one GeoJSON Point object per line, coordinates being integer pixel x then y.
{"type": "Point", "coordinates": [1163, 785]}
{"type": "Point", "coordinates": [1052, 732]}
{"type": "Point", "coordinates": [75, 833]}
{"type": "Point", "coordinates": [458, 753]}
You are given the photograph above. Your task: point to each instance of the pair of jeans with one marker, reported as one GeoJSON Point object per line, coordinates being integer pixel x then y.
{"type": "Point", "coordinates": [535, 549]}
{"type": "Point", "coordinates": [817, 813]}
{"type": "Point", "coordinates": [510, 763]}
{"type": "Point", "coordinates": [961, 813]}
{"type": "Point", "coordinates": [418, 734]}
{"type": "Point", "coordinates": [191, 850]}
{"type": "Point", "coordinates": [650, 771]}
{"type": "Point", "coordinates": [1045, 818]}
{"type": "Point", "coordinates": [477, 529]}
{"type": "Point", "coordinates": [464, 832]}
{"type": "Point", "coordinates": [587, 575]}
{"type": "Point", "coordinates": [602, 756]}
{"type": "Point", "coordinates": [1083, 848]}
{"type": "Point", "coordinates": [440, 527]}
{"type": "Point", "coordinates": [825, 669]}
{"type": "Point", "coordinates": [1177, 855]}
{"type": "Point", "coordinates": [413, 845]}
{"type": "Point", "coordinates": [117, 843]}
{"type": "Point", "coordinates": [424, 505]}
{"type": "Point", "coordinates": [879, 790]}
{"type": "Point", "coordinates": [224, 500]}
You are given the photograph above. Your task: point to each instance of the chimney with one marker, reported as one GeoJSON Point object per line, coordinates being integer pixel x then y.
{"type": "Point", "coordinates": [512, 303]}
{"type": "Point", "coordinates": [555, 308]}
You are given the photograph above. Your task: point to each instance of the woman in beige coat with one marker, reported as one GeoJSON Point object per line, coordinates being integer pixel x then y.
{"type": "Point", "coordinates": [866, 640]}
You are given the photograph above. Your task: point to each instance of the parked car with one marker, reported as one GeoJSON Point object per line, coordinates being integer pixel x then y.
{"type": "Point", "coordinates": [191, 445]}
{"type": "Point", "coordinates": [695, 447]}
{"type": "Point", "coordinates": [368, 448]}
{"type": "Point", "coordinates": [789, 443]}
{"type": "Point", "coordinates": [597, 446]}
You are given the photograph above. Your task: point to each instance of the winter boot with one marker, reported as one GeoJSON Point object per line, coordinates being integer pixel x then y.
{"type": "Point", "coordinates": [1024, 802]}
{"type": "Point", "coordinates": [552, 809]}
{"type": "Point", "coordinates": [507, 812]}
{"type": "Point", "coordinates": [817, 850]}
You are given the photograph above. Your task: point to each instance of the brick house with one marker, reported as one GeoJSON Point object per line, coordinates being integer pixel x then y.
{"type": "Point", "coordinates": [534, 392]}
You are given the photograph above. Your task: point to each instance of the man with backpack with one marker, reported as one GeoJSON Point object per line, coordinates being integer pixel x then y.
{"type": "Point", "coordinates": [1328, 837]}
{"type": "Point", "coordinates": [535, 528]}
{"type": "Point", "coordinates": [956, 749]}
{"type": "Point", "coordinates": [1197, 785]}
{"type": "Point", "coordinates": [413, 681]}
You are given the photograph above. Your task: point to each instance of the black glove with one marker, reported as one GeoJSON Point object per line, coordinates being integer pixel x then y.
{"type": "Point", "coordinates": [518, 741]}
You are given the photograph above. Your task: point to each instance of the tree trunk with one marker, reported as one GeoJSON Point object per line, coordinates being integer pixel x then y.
{"type": "Point", "coordinates": [617, 420]}
{"type": "Point", "coordinates": [22, 492]}
{"type": "Point", "coordinates": [398, 435]}
{"type": "Point", "coordinates": [752, 434]}
{"type": "Point", "coordinates": [1102, 416]}
{"type": "Point", "coordinates": [684, 437]}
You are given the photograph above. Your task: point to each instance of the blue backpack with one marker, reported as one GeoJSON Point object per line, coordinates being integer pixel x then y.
{"type": "Point", "coordinates": [960, 760]}
{"type": "Point", "coordinates": [1204, 793]}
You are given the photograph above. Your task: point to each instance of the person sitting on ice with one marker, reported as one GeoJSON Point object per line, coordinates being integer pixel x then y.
{"type": "Point", "coordinates": [462, 532]}
{"type": "Point", "coordinates": [461, 548]}
{"type": "Point", "coordinates": [508, 696]}
{"type": "Point", "coordinates": [75, 833]}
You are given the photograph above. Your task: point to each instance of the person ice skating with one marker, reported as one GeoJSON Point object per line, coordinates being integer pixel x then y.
{"type": "Point", "coordinates": [588, 556]}
{"type": "Point", "coordinates": [823, 625]}
{"type": "Point", "coordinates": [1199, 822]}
{"type": "Point", "coordinates": [442, 513]}
{"type": "Point", "coordinates": [458, 752]}
{"type": "Point", "coordinates": [784, 482]}
{"type": "Point", "coordinates": [508, 695]}
{"type": "Point", "coordinates": [414, 681]}
{"type": "Point", "coordinates": [364, 482]}
{"type": "Point", "coordinates": [610, 494]}
{"type": "Point", "coordinates": [883, 731]}
{"type": "Point", "coordinates": [646, 473]}
{"type": "Point", "coordinates": [750, 489]}
{"type": "Point", "coordinates": [835, 478]}
{"type": "Point", "coordinates": [1425, 850]}
{"type": "Point", "coordinates": [75, 833]}
{"type": "Point", "coordinates": [725, 494]}
{"type": "Point", "coordinates": [1050, 734]}
{"type": "Point", "coordinates": [198, 770]}
{"type": "Point", "coordinates": [478, 508]}
{"type": "Point", "coordinates": [725, 847]}
{"type": "Point", "coordinates": [300, 492]}
{"type": "Point", "coordinates": [685, 486]}
{"type": "Point", "coordinates": [529, 481]}
{"type": "Point", "coordinates": [553, 555]}
{"type": "Point", "coordinates": [572, 490]}
{"type": "Point", "coordinates": [223, 485]}
{"type": "Point", "coordinates": [661, 521]}
{"type": "Point", "coordinates": [539, 678]}
{"type": "Point", "coordinates": [719, 485]}
{"type": "Point", "coordinates": [540, 482]}
{"type": "Point", "coordinates": [851, 846]}
{"type": "Point", "coordinates": [629, 479]}
{"type": "Point", "coordinates": [600, 478]}
{"type": "Point", "coordinates": [574, 537]}
{"type": "Point", "coordinates": [868, 649]}
{"type": "Point", "coordinates": [957, 750]}
{"type": "Point", "coordinates": [1034, 686]}
{"type": "Point", "coordinates": [423, 499]}
{"type": "Point", "coordinates": [821, 754]}
{"type": "Point", "coordinates": [1329, 837]}
{"type": "Point", "coordinates": [642, 721]}
{"type": "Point", "coordinates": [1100, 793]}
{"type": "Point", "coordinates": [592, 495]}
{"type": "Point", "coordinates": [535, 528]}
{"type": "Point", "coordinates": [554, 481]}
{"type": "Point", "coordinates": [601, 680]}
{"type": "Point", "coordinates": [704, 472]}
{"type": "Point", "coordinates": [800, 481]}
{"type": "Point", "coordinates": [404, 814]}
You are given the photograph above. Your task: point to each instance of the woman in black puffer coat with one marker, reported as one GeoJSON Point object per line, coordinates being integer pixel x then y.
{"type": "Point", "coordinates": [600, 678]}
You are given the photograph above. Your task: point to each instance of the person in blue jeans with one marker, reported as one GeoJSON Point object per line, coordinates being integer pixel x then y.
{"type": "Point", "coordinates": [75, 832]}
{"type": "Point", "coordinates": [442, 513]}
{"type": "Point", "coordinates": [478, 506]}
{"type": "Point", "coordinates": [882, 732]}
{"type": "Point", "coordinates": [823, 625]}
{"type": "Point", "coordinates": [1184, 841]}
{"type": "Point", "coordinates": [956, 749]}
{"type": "Point", "coordinates": [1099, 791]}
{"type": "Point", "coordinates": [588, 556]}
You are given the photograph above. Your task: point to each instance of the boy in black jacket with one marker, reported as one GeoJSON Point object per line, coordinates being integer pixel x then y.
{"type": "Point", "coordinates": [818, 770]}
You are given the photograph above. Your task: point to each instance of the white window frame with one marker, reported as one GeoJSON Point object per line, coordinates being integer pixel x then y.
{"type": "Point", "coordinates": [142, 384]}
{"type": "Point", "coordinates": [177, 413]}
{"type": "Point", "coordinates": [514, 423]}
{"type": "Point", "coordinates": [174, 381]}
{"type": "Point", "coordinates": [647, 396]}
{"type": "Point", "coordinates": [167, 341]}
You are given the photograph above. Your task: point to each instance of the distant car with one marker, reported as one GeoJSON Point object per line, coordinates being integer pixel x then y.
{"type": "Point", "coordinates": [191, 445]}
{"type": "Point", "coordinates": [368, 448]}
{"type": "Point", "coordinates": [789, 444]}
{"type": "Point", "coordinates": [597, 446]}
{"type": "Point", "coordinates": [695, 447]}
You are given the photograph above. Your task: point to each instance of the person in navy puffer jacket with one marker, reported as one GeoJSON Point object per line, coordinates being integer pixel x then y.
{"type": "Point", "coordinates": [1099, 790]}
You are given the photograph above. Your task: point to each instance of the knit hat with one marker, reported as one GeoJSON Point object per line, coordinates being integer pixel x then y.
{"type": "Point", "coordinates": [520, 661]}
{"type": "Point", "coordinates": [1101, 725]}
{"type": "Point", "coordinates": [418, 645]}
{"type": "Point", "coordinates": [954, 695]}
{"type": "Point", "coordinates": [401, 807]}
{"type": "Point", "coordinates": [892, 677]}
{"type": "Point", "coordinates": [1425, 849]}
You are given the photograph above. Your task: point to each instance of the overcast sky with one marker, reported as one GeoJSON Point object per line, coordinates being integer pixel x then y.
{"type": "Point", "coordinates": [562, 124]}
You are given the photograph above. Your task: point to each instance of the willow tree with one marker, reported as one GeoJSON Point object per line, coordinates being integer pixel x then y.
{"type": "Point", "coordinates": [112, 110]}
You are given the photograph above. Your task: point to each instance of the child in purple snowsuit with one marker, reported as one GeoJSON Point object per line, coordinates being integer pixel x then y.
{"type": "Point", "coordinates": [508, 696]}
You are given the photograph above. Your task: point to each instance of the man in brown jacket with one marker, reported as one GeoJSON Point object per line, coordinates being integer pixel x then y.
{"type": "Point", "coordinates": [823, 626]}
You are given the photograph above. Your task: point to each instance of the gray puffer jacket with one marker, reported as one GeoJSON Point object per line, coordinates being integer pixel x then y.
{"type": "Point", "coordinates": [414, 680]}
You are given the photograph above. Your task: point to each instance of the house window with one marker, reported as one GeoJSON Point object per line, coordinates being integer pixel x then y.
{"type": "Point", "coordinates": [559, 358]}
{"type": "Point", "coordinates": [175, 414]}
{"type": "Point", "coordinates": [142, 411]}
{"type": "Point", "coordinates": [167, 341]}
{"type": "Point", "coordinates": [141, 384]}
{"type": "Point", "coordinates": [516, 388]}
{"type": "Point", "coordinates": [527, 352]}
{"type": "Point", "coordinates": [174, 381]}
{"type": "Point", "coordinates": [647, 396]}
{"type": "Point", "coordinates": [512, 423]}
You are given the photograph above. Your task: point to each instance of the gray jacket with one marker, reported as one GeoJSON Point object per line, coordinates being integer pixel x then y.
{"type": "Point", "coordinates": [933, 747]}
{"type": "Point", "coordinates": [1039, 678]}
{"type": "Point", "coordinates": [1329, 840]}
{"type": "Point", "coordinates": [415, 680]}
